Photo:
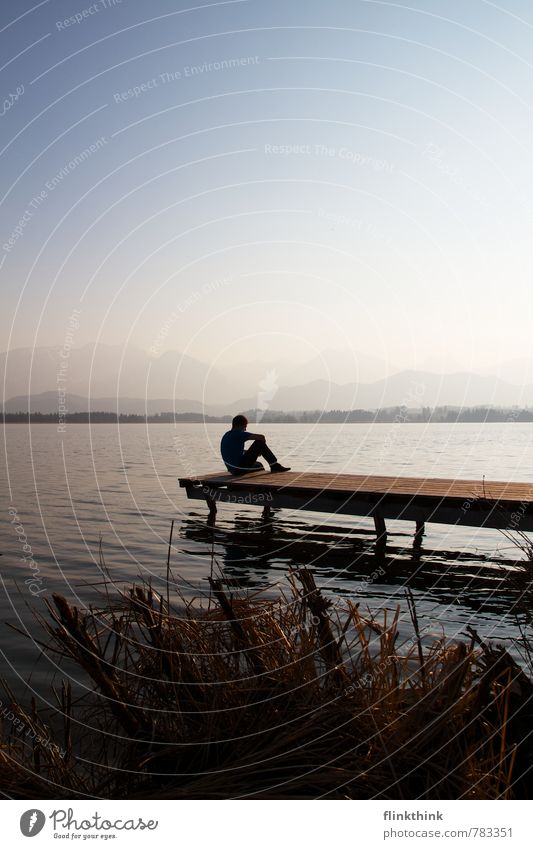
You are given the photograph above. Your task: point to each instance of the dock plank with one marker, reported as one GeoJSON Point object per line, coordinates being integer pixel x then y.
{"type": "Point", "coordinates": [321, 481]}
{"type": "Point", "coordinates": [442, 500]}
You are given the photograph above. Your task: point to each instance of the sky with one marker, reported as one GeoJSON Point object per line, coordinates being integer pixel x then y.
{"type": "Point", "coordinates": [247, 180]}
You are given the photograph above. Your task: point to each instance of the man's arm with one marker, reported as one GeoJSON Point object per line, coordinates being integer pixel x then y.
{"type": "Point", "coordinates": [258, 436]}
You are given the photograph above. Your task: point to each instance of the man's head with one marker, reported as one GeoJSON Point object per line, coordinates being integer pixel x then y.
{"type": "Point", "coordinates": [239, 423]}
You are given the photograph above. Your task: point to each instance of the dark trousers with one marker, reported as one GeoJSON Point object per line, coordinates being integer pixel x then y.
{"type": "Point", "coordinates": [257, 449]}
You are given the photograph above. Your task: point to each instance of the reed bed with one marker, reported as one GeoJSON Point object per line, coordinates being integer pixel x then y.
{"type": "Point", "coordinates": [292, 698]}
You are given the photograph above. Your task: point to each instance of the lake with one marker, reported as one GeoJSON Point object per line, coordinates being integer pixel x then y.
{"type": "Point", "coordinates": [114, 488]}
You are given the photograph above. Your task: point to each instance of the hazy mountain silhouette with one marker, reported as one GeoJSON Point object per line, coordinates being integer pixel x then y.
{"type": "Point", "coordinates": [341, 366]}
{"type": "Point", "coordinates": [518, 371]}
{"type": "Point", "coordinates": [185, 384]}
{"type": "Point", "coordinates": [407, 388]}
{"type": "Point", "coordinates": [111, 371]}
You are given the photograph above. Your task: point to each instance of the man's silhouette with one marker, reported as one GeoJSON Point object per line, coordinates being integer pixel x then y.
{"type": "Point", "coordinates": [237, 460]}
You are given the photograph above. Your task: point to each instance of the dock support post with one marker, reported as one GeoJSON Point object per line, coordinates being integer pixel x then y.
{"type": "Point", "coordinates": [212, 505]}
{"type": "Point", "coordinates": [381, 532]}
{"type": "Point", "coordinates": [419, 534]}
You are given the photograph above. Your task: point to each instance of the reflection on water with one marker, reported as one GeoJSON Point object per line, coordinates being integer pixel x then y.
{"type": "Point", "coordinates": [452, 588]}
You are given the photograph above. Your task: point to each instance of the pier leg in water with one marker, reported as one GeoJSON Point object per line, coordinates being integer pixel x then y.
{"type": "Point", "coordinates": [212, 505]}
{"type": "Point", "coordinates": [419, 534]}
{"type": "Point", "coordinates": [266, 524]}
{"type": "Point", "coordinates": [381, 533]}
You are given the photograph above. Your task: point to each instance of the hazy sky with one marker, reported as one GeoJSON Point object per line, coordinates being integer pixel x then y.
{"type": "Point", "coordinates": [241, 178]}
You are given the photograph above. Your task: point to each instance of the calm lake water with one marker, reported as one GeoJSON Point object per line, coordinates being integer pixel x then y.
{"type": "Point", "coordinates": [117, 486]}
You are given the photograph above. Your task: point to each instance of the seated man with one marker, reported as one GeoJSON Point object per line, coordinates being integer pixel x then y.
{"type": "Point", "coordinates": [237, 460]}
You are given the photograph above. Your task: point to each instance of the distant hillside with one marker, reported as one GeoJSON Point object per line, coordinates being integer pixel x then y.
{"type": "Point", "coordinates": [406, 389]}
{"type": "Point", "coordinates": [108, 371]}
{"type": "Point", "coordinates": [181, 383]}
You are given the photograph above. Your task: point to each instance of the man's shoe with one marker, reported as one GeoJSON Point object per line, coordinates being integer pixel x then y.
{"type": "Point", "coordinates": [277, 467]}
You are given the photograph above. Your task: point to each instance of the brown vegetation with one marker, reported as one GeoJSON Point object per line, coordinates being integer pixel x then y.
{"type": "Point", "coordinates": [286, 698]}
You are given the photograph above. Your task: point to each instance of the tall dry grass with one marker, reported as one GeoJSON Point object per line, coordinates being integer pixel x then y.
{"type": "Point", "coordinates": [285, 698]}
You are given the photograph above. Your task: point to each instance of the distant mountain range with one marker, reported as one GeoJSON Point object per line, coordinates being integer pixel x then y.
{"type": "Point", "coordinates": [96, 376]}
{"type": "Point", "coordinates": [110, 371]}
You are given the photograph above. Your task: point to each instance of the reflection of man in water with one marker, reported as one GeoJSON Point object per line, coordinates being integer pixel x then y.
{"type": "Point", "coordinates": [237, 460]}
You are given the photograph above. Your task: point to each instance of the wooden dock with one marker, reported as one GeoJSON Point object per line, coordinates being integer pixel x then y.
{"type": "Point", "coordinates": [489, 504]}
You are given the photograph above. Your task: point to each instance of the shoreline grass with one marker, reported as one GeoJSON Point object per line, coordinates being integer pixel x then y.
{"type": "Point", "coordinates": [290, 698]}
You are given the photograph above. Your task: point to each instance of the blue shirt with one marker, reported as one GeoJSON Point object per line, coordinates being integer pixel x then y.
{"type": "Point", "coordinates": [232, 447]}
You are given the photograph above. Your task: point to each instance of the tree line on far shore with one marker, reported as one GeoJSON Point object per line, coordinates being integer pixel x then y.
{"type": "Point", "coordinates": [388, 415]}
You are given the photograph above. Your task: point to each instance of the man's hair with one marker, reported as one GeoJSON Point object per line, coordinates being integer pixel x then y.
{"type": "Point", "coordinates": [239, 421]}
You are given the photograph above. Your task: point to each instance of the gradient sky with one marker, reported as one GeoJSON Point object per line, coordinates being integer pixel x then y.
{"type": "Point", "coordinates": [363, 178]}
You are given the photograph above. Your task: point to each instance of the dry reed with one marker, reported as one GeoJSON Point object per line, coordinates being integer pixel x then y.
{"type": "Point", "coordinates": [285, 698]}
